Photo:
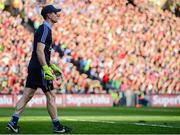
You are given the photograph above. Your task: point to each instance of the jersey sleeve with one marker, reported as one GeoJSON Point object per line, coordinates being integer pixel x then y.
{"type": "Point", "coordinates": [42, 34]}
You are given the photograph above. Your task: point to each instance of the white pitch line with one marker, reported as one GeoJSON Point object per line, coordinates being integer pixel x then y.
{"type": "Point", "coordinates": [113, 122]}
{"type": "Point", "coordinates": [89, 120]}
{"type": "Point", "coordinates": [153, 125]}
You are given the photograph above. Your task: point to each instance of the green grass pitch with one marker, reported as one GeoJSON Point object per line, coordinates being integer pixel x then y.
{"type": "Point", "coordinates": [109, 120]}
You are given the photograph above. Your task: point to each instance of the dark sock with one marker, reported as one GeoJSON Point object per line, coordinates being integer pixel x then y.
{"type": "Point", "coordinates": [14, 119]}
{"type": "Point", "coordinates": [55, 122]}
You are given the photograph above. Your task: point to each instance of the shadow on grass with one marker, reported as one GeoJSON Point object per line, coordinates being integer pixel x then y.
{"type": "Point", "coordinates": [79, 127]}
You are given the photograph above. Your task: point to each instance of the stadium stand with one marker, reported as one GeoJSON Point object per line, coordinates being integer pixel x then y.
{"type": "Point", "coordinates": [101, 46]}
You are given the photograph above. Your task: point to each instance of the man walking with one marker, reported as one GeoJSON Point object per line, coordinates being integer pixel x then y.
{"type": "Point", "coordinates": [40, 72]}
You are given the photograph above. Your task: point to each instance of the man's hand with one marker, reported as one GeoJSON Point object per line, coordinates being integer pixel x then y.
{"type": "Point", "coordinates": [56, 69]}
{"type": "Point", "coordinates": [47, 73]}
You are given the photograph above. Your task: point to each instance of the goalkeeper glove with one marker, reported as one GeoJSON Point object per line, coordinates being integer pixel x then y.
{"type": "Point", "coordinates": [47, 73]}
{"type": "Point", "coordinates": [56, 69]}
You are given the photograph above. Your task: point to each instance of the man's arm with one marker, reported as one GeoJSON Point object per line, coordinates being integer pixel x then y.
{"type": "Point", "coordinates": [42, 60]}
{"type": "Point", "coordinates": [40, 53]}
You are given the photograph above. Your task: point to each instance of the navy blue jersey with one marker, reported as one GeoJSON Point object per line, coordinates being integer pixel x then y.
{"type": "Point", "coordinates": [43, 35]}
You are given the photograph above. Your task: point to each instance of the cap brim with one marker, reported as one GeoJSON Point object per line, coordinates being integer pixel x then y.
{"type": "Point", "coordinates": [58, 10]}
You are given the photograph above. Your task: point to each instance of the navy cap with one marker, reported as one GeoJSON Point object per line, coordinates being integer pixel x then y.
{"type": "Point", "coordinates": [49, 9]}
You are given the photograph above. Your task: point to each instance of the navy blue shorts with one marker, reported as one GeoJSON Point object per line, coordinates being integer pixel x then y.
{"type": "Point", "coordinates": [35, 79]}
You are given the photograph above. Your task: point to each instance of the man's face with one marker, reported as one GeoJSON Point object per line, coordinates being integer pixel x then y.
{"type": "Point", "coordinates": [53, 17]}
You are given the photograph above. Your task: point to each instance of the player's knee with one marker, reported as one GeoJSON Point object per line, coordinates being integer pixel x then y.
{"type": "Point", "coordinates": [51, 97]}
{"type": "Point", "coordinates": [28, 96]}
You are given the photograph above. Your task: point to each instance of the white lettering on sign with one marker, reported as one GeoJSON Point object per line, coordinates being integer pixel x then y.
{"type": "Point", "coordinates": [165, 101]}
{"type": "Point", "coordinates": [87, 100]}
{"type": "Point", "coordinates": [39, 100]}
{"type": "Point", "coordinates": [5, 100]}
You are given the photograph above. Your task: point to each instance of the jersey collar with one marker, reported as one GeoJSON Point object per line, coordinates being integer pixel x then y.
{"type": "Point", "coordinates": [47, 24]}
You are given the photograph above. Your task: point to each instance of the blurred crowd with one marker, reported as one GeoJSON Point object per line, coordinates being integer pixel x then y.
{"type": "Point", "coordinates": [15, 45]}
{"type": "Point", "coordinates": [101, 46]}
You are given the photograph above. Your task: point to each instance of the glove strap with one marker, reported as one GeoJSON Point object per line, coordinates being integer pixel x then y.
{"type": "Point", "coordinates": [45, 67]}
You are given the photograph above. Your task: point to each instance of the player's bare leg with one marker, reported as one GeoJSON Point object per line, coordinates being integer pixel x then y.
{"type": "Point", "coordinates": [52, 110]}
{"type": "Point", "coordinates": [51, 104]}
{"type": "Point", "coordinates": [20, 106]}
{"type": "Point", "coordinates": [27, 95]}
